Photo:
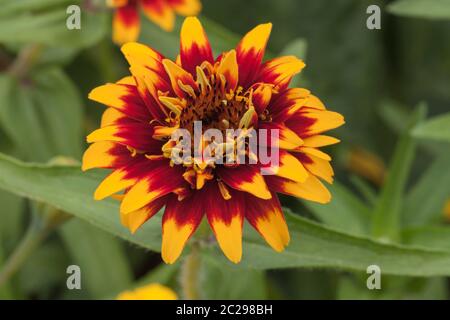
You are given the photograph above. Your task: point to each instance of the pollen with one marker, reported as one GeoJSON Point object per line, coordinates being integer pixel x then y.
{"type": "Point", "coordinates": [214, 107]}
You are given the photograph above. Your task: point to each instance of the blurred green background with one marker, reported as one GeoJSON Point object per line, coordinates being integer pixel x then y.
{"type": "Point", "coordinates": [392, 167]}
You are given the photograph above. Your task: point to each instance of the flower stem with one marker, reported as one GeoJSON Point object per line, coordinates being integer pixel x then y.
{"type": "Point", "coordinates": [25, 60]}
{"type": "Point", "coordinates": [190, 274]}
{"type": "Point", "coordinates": [39, 228]}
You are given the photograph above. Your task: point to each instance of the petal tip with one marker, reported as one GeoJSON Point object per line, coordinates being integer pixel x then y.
{"type": "Point", "coordinates": [98, 196]}
{"type": "Point", "coordinates": [128, 46]}
{"type": "Point", "coordinates": [91, 137]}
{"type": "Point", "coordinates": [168, 259]}
{"type": "Point", "coordinates": [170, 255]}
{"type": "Point", "coordinates": [235, 260]}
{"type": "Point", "coordinates": [191, 19]}
{"type": "Point", "coordinates": [267, 26]}
{"type": "Point", "coordinates": [93, 93]}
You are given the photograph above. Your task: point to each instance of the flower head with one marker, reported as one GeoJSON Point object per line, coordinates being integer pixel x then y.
{"type": "Point", "coordinates": [152, 291]}
{"type": "Point", "coordinates": [126, 21]}
{"type": "Point", "coordinates": [235, 92]}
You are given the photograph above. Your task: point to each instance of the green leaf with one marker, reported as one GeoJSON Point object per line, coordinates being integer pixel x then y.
{"type": "Point", "coordinates": [5, 289]}
{"type": "Point", "coordinates": [60, 108]}
{"type": "Point", "coordinates": [435, 9]}
{"type": "Point", "coordinates": [302, 284]}
{"type": "Point", "coordinates": [364, 188]}
{"type": "Point", "coordinates": [225, 282]}
{"type": "Point", "coordinates": [101, 258]}
{"type": "Point", "coordinates": [11, 217]}
{"type": "Point", "coordinates": [19, 117]}
{"type": "Point", "coordinates": [312, 244]}
{"type": "Point", "coordinates": [45, 23]}
{"type": "Point", "coordinates": [345, 212]}
{"type": "Point", "coordinates": [387, 214]}
{"type": "Point", "coordinates": [434, 237]}
{"type": "Point", "coordinates": [352, 288]}
{"type": "Point", "coordinates": [394, 114]}
{"type": "Point", "coordinates": [297, 47]}
{"type": "Point", "coordinates": [42, 115]}
{"type": "Point", "coordinates": [13, 7]}
{"type": "Point", "coordinates": [426, 199]}
{"type": "Point", "coordinates": [437, 128]}
{"type": "Point", "coordinates": [39, 278]}
{"type": "Point", "coordinates": [69, 189]}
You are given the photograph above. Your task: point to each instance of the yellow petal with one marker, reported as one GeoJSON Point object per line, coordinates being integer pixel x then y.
{"type": "Point", "coordinates": [174, 239]}
{"type": "Point", "coordinates": [229, 68]}
{"type": "Point", "coordinates": [229, 237]}
{"type": "Point", "coordinates": [315, 152]}
{"type": "Point", "coordinates": [291, 168]}
{"type": "Point", "coordinates": [160, 13]}
{"type": "Point", "coordinates": [138, 196]}
{"type": "Point", "coordinates": [317, 141]}
{"type": "Point", "coordinates": [110, 117]}
{"type": "Point", "coordinates": [312, 189]}
{"type": "Point", "coordinates": [98, 156]}
{"type": "Point", "coordinates": [113, 183]}
{"type": "Point", "coordinates": [104, 134]}
{"type": "Point", "coordinates": [187, 7]}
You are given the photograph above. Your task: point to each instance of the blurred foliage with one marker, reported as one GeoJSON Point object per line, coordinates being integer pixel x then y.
{"type": "Point", "coordinates": [375, 78]}
{"type": "Point", "coordinates": [438, 9]}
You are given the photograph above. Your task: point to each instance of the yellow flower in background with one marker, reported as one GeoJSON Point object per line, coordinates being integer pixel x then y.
{"type": "Point", "coordinates": [126, 21]}
{"type": "Point", "coordinates": [236, 90]}
{"type": "Point", "coordinates": [366, 164]}
{"type": "Point", "coordinates": [152, 291]}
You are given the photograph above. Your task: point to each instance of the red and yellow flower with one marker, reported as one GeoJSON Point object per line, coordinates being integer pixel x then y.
{"type": "Point", "coordinates": [126, 21]}
{"type": "Point", "coordinates": [235, 90]}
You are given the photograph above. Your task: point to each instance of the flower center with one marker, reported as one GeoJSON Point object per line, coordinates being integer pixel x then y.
{"type": "Point", "coordinates": [214, 107]}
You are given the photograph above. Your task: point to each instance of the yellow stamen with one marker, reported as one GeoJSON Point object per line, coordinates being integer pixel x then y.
{"type": "Point", "coordinates": [224, 191]}
{"type": "Point", "coordinates": [187, 88]}
{"type": "Point", "coordinates": [173, 104]}
{"type": "Point", "coordinates": [202, 80]}
{"type": "Point", "coordinates": [248, 118]}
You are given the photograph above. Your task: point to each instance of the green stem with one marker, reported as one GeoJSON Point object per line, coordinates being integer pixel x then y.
{"type": "Point", "coordinates": [387, 213]}
{"type": "Point", "coordinates": [35, 234]}
{"type": "Point", "coordinates": [38, 230]}
{"type": "Point", "coordinates": [25, 60]}
{"type": "Point", "coordinates": [190, 274]}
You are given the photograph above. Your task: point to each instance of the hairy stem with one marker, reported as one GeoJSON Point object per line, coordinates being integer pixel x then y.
{"type": "Point", "coordinates": [190, 274]}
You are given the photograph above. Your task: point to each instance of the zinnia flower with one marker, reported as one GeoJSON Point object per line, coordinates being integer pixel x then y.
{"type": "Point", "coordinates": [126, 21]}
{"type": "Point", "coordinates": [235, 90]}
{"type": "Point", "coordinates": [152, 291]}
